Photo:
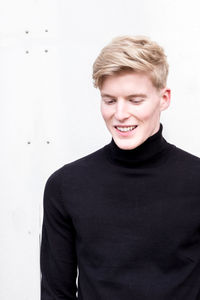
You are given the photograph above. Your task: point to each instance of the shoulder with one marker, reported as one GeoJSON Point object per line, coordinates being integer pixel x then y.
{"type": "Point", "coordinates": [78, 167]}
{"type": "Point", "coordinates": [184, 156]}
{"type": "Point", "coordinates": [185, 163]}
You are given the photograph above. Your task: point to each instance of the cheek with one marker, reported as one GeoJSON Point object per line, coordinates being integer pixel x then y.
{"type": "Point", "coordinates": [147, 111]}
{"type": "Point", "coordinates": [105, 112]}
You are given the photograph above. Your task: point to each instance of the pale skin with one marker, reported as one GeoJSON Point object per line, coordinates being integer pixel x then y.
{"type": "Point", "coordinates": [128, 99]}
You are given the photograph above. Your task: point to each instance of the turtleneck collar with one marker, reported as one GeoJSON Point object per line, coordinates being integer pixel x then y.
{"type": "Point", "coordinates": [148, 152]}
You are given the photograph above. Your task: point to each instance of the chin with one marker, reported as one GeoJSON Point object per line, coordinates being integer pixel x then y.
{"type": "Point", "coordinates": [126, 145]}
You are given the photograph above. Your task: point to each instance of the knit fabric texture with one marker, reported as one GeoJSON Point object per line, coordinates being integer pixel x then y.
{"type": "Point", "coordinates": [128, 220]}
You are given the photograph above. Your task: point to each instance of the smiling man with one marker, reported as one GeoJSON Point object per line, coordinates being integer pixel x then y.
{"type": "Point", "coordinates": [128, 214]}
{"type": "Point", "coordinates": [131, 107]}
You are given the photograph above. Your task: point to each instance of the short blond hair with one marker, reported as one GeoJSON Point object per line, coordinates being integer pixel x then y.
{"type": "Point", "coordinates": [134, 53]}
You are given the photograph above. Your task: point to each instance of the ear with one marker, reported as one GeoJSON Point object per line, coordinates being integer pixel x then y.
{"type": "Point", "coordinates": [165, 98]}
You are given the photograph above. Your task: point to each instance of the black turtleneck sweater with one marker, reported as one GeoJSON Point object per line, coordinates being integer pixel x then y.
{"type": "Point", "coordinates": [130, 221]}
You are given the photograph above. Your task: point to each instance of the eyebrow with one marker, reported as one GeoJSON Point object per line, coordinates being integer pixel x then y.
{"type": "Point", "coordinates": [131, 95]}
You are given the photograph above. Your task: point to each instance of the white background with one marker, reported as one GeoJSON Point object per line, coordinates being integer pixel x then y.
{"type": "Point", "coordinates": [50, 111]}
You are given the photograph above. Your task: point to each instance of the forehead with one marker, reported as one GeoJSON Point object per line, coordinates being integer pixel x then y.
{"type": "Point", "coordinates": [127, 82]}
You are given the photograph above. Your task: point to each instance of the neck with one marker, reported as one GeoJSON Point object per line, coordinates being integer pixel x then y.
{"type": "Point", "coordinates": [150, 151]}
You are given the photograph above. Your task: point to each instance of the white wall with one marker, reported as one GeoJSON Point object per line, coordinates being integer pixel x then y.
{"type": "Point", "coordinates": [50, 111]}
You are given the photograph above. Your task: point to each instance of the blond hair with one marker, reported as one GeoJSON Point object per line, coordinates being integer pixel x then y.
{"type": "Point", "coordinates": [134, 53]}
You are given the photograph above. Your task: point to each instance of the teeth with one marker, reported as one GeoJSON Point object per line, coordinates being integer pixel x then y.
{"type": "Point", "coordinates": [126, 128]}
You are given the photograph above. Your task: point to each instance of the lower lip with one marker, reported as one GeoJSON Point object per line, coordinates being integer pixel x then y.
{"type": "Point", "coordinates": [126, 133]}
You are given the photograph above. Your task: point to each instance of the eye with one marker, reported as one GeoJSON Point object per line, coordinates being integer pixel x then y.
{"type": "Point", "coordinates": [109, 101]}
{"type": "Point", "coordinates": [136, 101]}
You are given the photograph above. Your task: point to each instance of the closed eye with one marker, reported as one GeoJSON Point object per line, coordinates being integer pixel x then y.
{"type": "Point", "coordinates": [109, 101]}
{"type": "Point", "coordinates": [136, 101]}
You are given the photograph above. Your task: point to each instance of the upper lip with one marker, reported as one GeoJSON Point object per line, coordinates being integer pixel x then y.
{"type": "Point", "coordinates": [124, 125]}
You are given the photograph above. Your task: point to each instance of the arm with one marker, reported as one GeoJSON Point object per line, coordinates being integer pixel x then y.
{"type": "Point", "coordinates": [57, 254]}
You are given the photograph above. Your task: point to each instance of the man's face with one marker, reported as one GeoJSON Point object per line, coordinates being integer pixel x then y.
{"type": "Point", "coordinates": [130, 99]}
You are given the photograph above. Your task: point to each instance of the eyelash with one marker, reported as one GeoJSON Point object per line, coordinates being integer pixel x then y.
{"type": "Point", "coordinates": [135, 102]}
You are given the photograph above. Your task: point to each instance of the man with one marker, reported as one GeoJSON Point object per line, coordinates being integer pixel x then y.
{"type": "Point", "coordinates": [128, 214]}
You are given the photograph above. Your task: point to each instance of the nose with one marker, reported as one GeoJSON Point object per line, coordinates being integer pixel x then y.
{"type": "Point", "coordinates": [121, 110]}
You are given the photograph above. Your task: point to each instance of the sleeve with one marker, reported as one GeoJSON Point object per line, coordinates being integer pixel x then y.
{"type": "Point", "coordinates": [58, 260]}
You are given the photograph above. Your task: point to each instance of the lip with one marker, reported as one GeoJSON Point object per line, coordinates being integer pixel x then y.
{"type": "Point", "coordinates": [127, 133]}
{"type": "Point", "coordinates": [124, 125]}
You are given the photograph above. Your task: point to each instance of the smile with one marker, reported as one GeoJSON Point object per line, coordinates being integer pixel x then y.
{"type": "Point", "coordinates": [125, 128]}
{"type": "Point", "coordinates": [126, 131]}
